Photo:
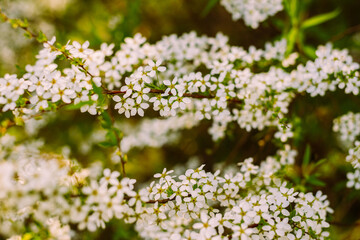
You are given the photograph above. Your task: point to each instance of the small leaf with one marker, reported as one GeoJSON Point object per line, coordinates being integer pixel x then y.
{"type": "Point", "coordinates": [27, 35]}
{"type": "Point", "coordinates": [169, 191]}
{"type": "Point", "coordinates": [320, 162]}
{"type": "Point", "coordinates": [99, 92]}
{"type": "Point", "coordinates": [293, 11]}
{"type": "Point", "coordinates": [291, 39]}
{"type": "Point", "coordinates": [118, 132]}
{"type": "Point", "coordinates": [315, 181]}
{"type": "Point", "coordinates": [278, 23]}
{"type": "Point", "coordinates": [106, 144]}
{"type": "Point", "coordinates": [78, 106]}
{"type": "Point", "coordinates": [27, 236]}
{"type": "Point", "coordinates": [319, 19]}
{"type": "Point", "coordinates": [153, 86]}
{"type": "Point", "coordinates": [41, 37]}
{"type": "Point", "coordinates": [24, 23]}
{"type": "Point", "coordinates": [209, 6]}
{"type": "Point", "coordinates": [19, 121]}
{"type": "Point", "coordinates": [21, 102]}
{"type": "Point", "coordinates": [39, 117]}
{"type": "Point", "coordinates": [106, 120]}
{"type": "Point", "coordinates": [14, 23]}
{"type": "Point", "coordinates": [21, 70]}
{"type": "Point", "coordinates": [58, 45]}
{"type": "Point", "coordinates": [3, 18]}
{"type": "Point", "coordinates": [313, 234]}
{"type": "Point", "coordinates": [307, 155]}
{"type": "Point", "coordinates": [111, 137]}
{"type": "Point", "coordinates": [310, 51]}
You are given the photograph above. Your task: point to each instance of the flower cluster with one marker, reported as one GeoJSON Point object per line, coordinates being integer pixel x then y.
{"type": "Point", "coordinates": [348, 127]}
{"type": "Point", "coordinates": [55, 231]}
{"type": "Point", "coordinates": [33, 186]}
{"type": "Point", "coordinates": [354, 158]}
{"type": "Point", "coordinates": [249, 203]}
{"type": "Point", "coordinates": [227, 91]}
{"type": "Point", "coordinates": [45, 85]}
{"type": "Point", "coordinates": [332, 69]}
{"type": "Point", "coordinates": [252, 12]}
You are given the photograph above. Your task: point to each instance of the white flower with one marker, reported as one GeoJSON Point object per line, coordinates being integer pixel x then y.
{"type": "Point", "coordinates": [206, 229]}
{"type": "Point", "coordinates": [153, 68]}
{"type": "Point", "coordinates": [79, 51]}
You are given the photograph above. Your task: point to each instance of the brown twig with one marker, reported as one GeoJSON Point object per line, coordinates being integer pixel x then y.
{"type": "Point", "coordinates": [190, 95]}
{"type": "Point", "coordinates": [346, 32]}
{"type": "Point", "coordinates": [161, 200]}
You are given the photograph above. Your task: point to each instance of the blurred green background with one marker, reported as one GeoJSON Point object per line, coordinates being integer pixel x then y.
{"type": "Point", "coordinates": [111, 21]}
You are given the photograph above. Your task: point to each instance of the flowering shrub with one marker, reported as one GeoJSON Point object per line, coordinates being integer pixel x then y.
{"type": "Point", "coordinates": [178, 83]}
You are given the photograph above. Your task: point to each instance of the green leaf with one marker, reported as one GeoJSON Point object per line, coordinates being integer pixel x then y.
{"type": "Point", "coordinates": [292, 213]}
{"type": "Point", "coordinates": [24, 23]}
{"type": "Point", "coordinates": [153, 86]}
{"type": "Point", "coordinates": [111, 137]}
{"type": "Point", "coordinates": [61, 57]}
{"type": "Point", "coordinates": [309, 51]}
{"type": "Point", "coordinates": [307, 155]}
{"type": "Point", "coordinates": [293, 6]}
{"type": "Point", "coordinates": [39, 117]}
{"type": "Point", "coordinates": [19, 121]}
{"type": "Point", "coordinates": [106, 144]}
{"type": "Point", "coordinates": [27, 35]}
{"type": "Point", "coordinates": [21, 70]}
{"type": "Point", "coordinates": [28, 236]}
{"type": "Point", "coordinates": [41, 37]}
{"type": "Point", "coordinates": [209, 6]}
{"type": "Point", "coordinates": [77, 62]}
{"type": "Point", "coordinates": [21, 102]}
{"type": "Point", "coordinates": [283, 120]}
{"type": "Point", "coordinates": [313, 234]}
{"type": "Point", "coordinates": [118, 132]}
{"type": "Point", "coordinates": [278, 23]}
{"type": "Point", "coordinates": [3, 18]}
{"type": "Point", "coordinates": [319, 19]}
{"type": "Point", "coordinates": [99, 92]}
{"type": "Point", "coordinates": [169, 191]}
{"type": "Point", "coordinates": [292, 9]}
{"type": "Point", "coordinates": [291, 40]}
{"type": "Point", "coordinates": [320, 162]}
{"type": "Point", "coordinates": [58, 45]}
{"type": "Point", "coordinates": [106, 120]}
{"type": "Point", "coordinates": [14, 23]}
{"type": "Point", "coordinates": [78, 106]}
{"type": "Point", "coordinates": [315, 181]}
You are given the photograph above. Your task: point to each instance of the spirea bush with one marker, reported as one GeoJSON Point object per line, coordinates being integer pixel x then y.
{"type": "Point", "coordinates": [147, 94]}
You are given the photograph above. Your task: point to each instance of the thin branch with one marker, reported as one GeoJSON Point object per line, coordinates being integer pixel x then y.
{"type": "Point", "coordinates": [350, 30]}
{"type": "Point", "coordinates": [122, 160]}
{"type": "Point", "coordinates": [161, 200]}
{"type": "Point", "coordinates": [35, 36]}
{"type": "Point", "coordinates": [190, 95]}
